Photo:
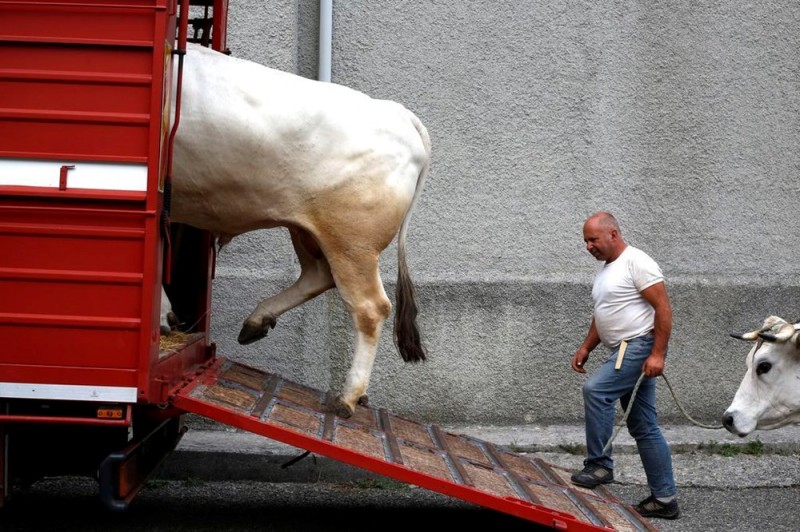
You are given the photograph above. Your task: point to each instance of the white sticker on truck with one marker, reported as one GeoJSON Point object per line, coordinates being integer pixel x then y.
{"type": "Point", "coordinates": [67, 392]}
{"type": "Point", "coordinates": [73, 174]}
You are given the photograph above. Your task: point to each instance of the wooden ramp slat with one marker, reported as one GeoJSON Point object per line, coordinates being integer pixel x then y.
{"type": "Point", "coordinates": [374, 439]}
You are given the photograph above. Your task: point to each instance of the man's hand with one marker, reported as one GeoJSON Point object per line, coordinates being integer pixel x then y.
{"type": "Point", "coordinates": [653, 366]}
{"type": "Point", "coordinates": [579, 360]}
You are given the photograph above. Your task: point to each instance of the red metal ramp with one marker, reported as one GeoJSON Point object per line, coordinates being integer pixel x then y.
{"type": "Point", "coordinates": [425, 455]}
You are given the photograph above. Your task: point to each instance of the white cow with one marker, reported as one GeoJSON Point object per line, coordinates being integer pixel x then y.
{"type": "Point", "coordinates": [769, 395]}
{"type": "Point", "coordinates": [259, 148]}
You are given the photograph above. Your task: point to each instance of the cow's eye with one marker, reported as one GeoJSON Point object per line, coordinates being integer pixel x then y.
{"type": "Point", "coordinates": [763, 367]}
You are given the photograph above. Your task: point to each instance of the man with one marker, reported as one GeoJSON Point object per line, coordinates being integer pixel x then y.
{"type": "Point", "coordinates": [632, 314]}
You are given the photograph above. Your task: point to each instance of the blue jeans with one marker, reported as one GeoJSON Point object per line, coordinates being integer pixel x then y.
{"type": "Point", "coordinates": [600, 394]}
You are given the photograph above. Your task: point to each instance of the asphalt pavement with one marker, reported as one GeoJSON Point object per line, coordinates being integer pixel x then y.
{"type": "Point", "coordinates": [702, 457]}
{"type": "Point", "coordinates": [219, 480]}
{"type": "Point", "coordinates": [725, 482]}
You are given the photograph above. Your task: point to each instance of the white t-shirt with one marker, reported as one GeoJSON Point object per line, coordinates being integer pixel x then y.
{"type": "Point", "coordinates": [620, 311]}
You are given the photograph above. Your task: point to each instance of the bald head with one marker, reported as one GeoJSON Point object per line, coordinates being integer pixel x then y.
{"type": "Point", "coordinates": [604, 220]}
{"type": "Point", "coordinates": [603, 237]}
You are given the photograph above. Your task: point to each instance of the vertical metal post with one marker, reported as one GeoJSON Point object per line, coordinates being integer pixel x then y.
{"type": "Point", "coordinates": [325, 39]}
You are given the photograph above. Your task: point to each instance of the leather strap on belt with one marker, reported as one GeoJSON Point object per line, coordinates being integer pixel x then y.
{"type": "Point", "coordinates": [623, 345]}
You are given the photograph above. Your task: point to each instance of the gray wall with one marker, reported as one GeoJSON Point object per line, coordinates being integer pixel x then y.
{"type": "Point", "coordinates": [681, 117]}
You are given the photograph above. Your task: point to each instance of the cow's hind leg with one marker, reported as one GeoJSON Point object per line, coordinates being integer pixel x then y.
{"type": "Point", "coordinates": [359, 284]}
{"type": "Point", "coordinates": [315, 278]}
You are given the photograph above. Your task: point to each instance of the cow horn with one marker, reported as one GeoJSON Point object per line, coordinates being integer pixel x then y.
{"type": "Point", "coordinates": [783, 333]}
{"type": "Point", "coordinates": [752, 336]}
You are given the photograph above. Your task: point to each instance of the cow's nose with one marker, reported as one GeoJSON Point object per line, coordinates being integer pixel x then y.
{"type": "Point", "coordinates": [727, 421]}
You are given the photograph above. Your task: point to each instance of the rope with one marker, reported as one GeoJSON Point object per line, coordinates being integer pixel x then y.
{"type": "Point", "coordinates": [720, 426]}
{"type": "Point", "coordinates": [677, 402]}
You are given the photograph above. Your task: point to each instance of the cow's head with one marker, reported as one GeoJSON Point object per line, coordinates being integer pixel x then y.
{"type": "Point", "coordinates": [769, 395]}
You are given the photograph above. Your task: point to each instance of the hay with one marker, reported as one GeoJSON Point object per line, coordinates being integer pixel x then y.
{"type": "Point", "coordinates": [172, 340]}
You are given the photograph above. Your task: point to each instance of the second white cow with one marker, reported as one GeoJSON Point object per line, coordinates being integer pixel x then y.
{"type": "Point", "coordinates": [769, 394]}
{"type": "Point", "coordinates": [260, 148]}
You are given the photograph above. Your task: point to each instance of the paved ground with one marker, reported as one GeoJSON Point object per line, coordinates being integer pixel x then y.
{"type": "Point", "coordinates": [725, 482]}
{"type": "Point", "coordinates": [702, 457]}
{"type": "Point", "coordinates": [224, 480]}
{"type": "Point", "coordinates": [197, 506]}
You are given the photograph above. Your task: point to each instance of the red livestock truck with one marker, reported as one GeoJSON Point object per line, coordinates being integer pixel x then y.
{"type": "Point", "coordinates": [88, 384]}
{"type": "Point", "coordinates": [85, 151]}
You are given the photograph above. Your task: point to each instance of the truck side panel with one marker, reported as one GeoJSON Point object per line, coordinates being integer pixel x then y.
{"type": "Point", "coordinates": [84, 118]}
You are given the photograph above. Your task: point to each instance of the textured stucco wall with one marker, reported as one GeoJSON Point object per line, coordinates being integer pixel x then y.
{"type": "Point", "coordinates": [682, 117]}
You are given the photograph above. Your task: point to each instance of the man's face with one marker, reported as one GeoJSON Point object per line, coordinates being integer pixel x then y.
{"type": "Point", "coordinates": [599, 240]}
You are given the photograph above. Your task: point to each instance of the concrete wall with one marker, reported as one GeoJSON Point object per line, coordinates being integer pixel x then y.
{"type": "Point", "coordinates": [682, 117]}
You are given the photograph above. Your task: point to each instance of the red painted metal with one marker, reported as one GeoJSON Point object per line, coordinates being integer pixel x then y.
{"type": "Point", "coordinates": [62, 180]}
{"type": "Point", "coordinates": [87, 81]}
{"type": "Point", "coordinates": [219, 38]}
{"type": "Point", "coordinates": [4, 468]}
{"type": "Point", "coordinates": [424, 455]}
{"type": "Point", "coordinates": [86, 84]}
{"type": "Point", "coordinates": [71, 420]}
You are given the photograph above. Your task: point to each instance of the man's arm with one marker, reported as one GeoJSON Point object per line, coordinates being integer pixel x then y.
{"type": "Point", "coordinates": [582, 354]}
{"type": "Point", "coordinates": [656, 295]}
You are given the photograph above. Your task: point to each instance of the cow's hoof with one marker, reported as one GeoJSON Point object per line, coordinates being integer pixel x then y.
{"type": "Point", "coordinates": [341, 409]}
{"type": "Point", "coordinates": [251, 333]}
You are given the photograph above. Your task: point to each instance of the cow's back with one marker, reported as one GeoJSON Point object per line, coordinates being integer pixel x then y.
{"type": "Point", "coordinates": [259, 147]}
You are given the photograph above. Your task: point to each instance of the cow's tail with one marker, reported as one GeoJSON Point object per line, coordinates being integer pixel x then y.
{"type": "Point", "coordinates": [406, 332]}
